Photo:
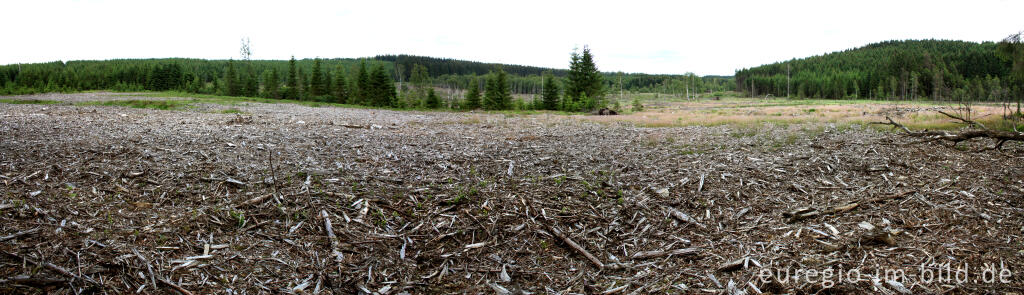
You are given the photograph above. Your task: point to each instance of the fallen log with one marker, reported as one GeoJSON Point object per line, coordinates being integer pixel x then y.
{"type": "Point", "coordinates": [999, 136]}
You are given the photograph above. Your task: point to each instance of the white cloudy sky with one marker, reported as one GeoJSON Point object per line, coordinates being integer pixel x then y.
{"type": "Point", "coordinates": [705, 37]}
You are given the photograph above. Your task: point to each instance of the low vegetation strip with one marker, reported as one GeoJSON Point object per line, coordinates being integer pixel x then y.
{"type": "Point", "coordinates": [27, 101]}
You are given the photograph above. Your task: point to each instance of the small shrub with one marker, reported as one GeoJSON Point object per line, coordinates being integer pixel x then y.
{"type": "Point", "coordinates": [637, 105]}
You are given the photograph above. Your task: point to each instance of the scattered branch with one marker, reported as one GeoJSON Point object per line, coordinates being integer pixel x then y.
{"type": "Point", "coordinates": [575, 246]}
{"type": "Point", "coordinates": [1000, 137]}
{"type": "Point", "coordinates": [55, 268]}
{"type": "Point", "coordinates": [175, 287]}
{"type": "Point", "coordinates": [18, 234]}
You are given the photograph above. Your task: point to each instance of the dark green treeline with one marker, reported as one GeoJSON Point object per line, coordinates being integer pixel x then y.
{"type": "Point", "coordinates": [905, 70]}
{"type": "Point", "coordinates": [384, 81]}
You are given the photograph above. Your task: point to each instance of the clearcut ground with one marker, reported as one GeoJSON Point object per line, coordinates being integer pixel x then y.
{"type": "Point", "coordinates": [230, 197]}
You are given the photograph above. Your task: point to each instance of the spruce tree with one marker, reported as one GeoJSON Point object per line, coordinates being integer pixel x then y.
{"type": "Point", "coordinates": [574, 79]}
{"type": "Point", "coordinates": [473, 95]}
{"type": "Point", "coordinates": [162, 77]}
{"type": "Point", "coordinates": [251, 85]}
{"type": "Point", "coordinates": [303, 82]}
{"type": "Point", "coordinates": [550, 95]}
{"type": "Point", "coordinates": [195, 86]}
{"type": "Point", "coordinates": [432, 101]}
{"type": "Point", "coordinates": [382, 89]}
{"type": "Point", "coordinates": [1011, 48]}
{"type": "Point", "coordinates": [275, 83]}
{"type": "Point", "coordinates": [271, 84]}
{"type": "Point", "coordinates": [490, 92]}
{"type": "Point", "coordinates": [497, 95]}
{"type": "Point", "coordinates": [584, 81]}
{"type": "Point", "coordinates": [504, 90]}
{"type": "Point", "coordinates": [362, 84]}
{"type": "Point", "coordinates": [637, 105]}
{"type": "Point", "coordinates": [341, 93]}
{"type": "Point", "coordinates": [593, 85]}
{"type": "Point", "coordinates": [231, 80]}
{"type": "Point", "coordinates": [317, 84]}
{"type": "Point", "coordinates": [152, 78]}
{"type": "Point", "coordinates": [216, 87]}
{"type": "Point", "coordinates": [328, 83]}
{"type": "Point", "coordinates": [292, 92]}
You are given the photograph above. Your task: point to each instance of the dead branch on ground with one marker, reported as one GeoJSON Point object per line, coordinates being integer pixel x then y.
{"type": "Point", "coordinates": [977, 131]}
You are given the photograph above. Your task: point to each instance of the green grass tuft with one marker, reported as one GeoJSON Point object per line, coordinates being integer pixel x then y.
{"type": "Point", "coordinates": [142, 104]}
{"type": "Point", "coordinates": [231, 111]}
{"type": "Point", "coordinates": [28, 101]}
{"type": "Point", "coordinates": [235, 100]}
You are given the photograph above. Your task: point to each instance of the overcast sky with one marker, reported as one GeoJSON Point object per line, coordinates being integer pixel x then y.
{"type": "Point", "coordinates": [672, 37]}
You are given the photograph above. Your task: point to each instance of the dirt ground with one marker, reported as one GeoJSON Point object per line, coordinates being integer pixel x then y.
{"type": "Point", "coordinates": [283, 198]}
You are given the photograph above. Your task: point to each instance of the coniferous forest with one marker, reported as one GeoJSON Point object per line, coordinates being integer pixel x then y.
{"type": "Point", "coordinates": [400, 81]}
{"type": "Point", "coordinates": [905, 70]}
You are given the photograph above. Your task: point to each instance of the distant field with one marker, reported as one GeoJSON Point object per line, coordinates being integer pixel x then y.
{"type": "Point", "coordinates": [753, 112]}
{"type": "Point", "coordinates": [659, 110]}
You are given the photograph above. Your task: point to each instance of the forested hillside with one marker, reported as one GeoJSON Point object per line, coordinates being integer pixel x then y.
{"type": "Point", "coordinates": [528, 79]}
{"type": "Point", "coordinates": [193, 75]}
{"type": "Point", "coordinates": [208, 76]}
{"type": "Point", "coordinates": [447, 66]}
{"type": "Point", "coordinates": [913, 69]}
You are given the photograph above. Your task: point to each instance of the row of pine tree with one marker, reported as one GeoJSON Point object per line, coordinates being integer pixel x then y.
{"type": "Point", "coordinates": [905, 70]}
{"type": "Point", "coordinates": [370, 87]}
{"type": "Point", "coordinates": [583, 91]}
{"type": "Point", "coordinates": [358, 82]}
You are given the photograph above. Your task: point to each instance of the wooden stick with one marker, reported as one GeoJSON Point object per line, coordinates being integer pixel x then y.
{"type": "Point", "coordinates": [18, 234]}
{"type": "Point", "coordinates": [273, 173]}
{"type": "Point", "coordinates": [255, 200]}
{"type": "Point", "coordinates": [149, 267]}
{"type": "Point", "coordinates": [235, 182]}
{"type": "Point", "coordinates": [701, 186]}
{"type": "Point", "coordinates": [733, 265]}
{"type": "Point", "coordinates": [570, 242]}
{"type": "Point", "coordinates": [685, 218]}
{"type": "Point", "coordinates": [965, 121]}
{"type": "Point", "coordinates": [841, 209]}
{"type": "Point", "coordinates": [55, 268]}
{"type": "Point", "coordinates": [576, 246]}
{"type": "Point", "coordinates": [175, 287]}
{"type": "Point", "coordinates": [32, 281]}
{"type": "Point", "coordinates": [660, 253]}
{"type": "Point", "coordinates": [327, 225]}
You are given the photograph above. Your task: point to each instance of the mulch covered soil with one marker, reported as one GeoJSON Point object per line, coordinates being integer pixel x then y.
{"type": "Point", "coordinates": [291, 199]}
